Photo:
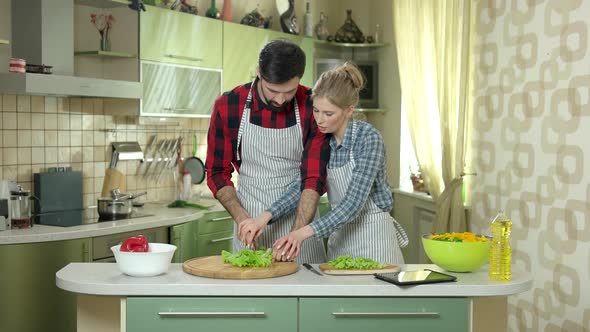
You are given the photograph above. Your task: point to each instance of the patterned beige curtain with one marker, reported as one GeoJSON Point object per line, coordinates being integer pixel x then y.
{"type": "Point", "coordinates": [433, 47]}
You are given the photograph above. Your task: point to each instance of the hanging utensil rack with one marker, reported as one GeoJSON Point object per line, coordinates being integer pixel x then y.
{"type": "Point", "coordinates": [157, 131]}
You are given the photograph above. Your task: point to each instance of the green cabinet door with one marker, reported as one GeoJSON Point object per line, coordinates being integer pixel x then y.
{"type": "Point", "coordinates": [147, 314]}
{"type": "Point", "coordinates": [29, 298]}
{"type": "Point", "coordinates": [308, 46]}
{"type": "Point", "coordinates": [215, 222]}
{"type": "Point", "coordinates": [213, 243]}
{"type": "Point", "coordinates": [183, 237]}
{"type": "Point", "coordinates": [174, 37]}
{"type": "Point", "coordinates": [241, 45]}
{"type": "Point", "coordinates": [384, 314]}
{"type": "Point", "coordinates": [205, 236]}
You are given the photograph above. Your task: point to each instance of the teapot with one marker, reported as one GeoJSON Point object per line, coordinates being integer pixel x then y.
{"type": "Point", "coordinates": [21, 208]}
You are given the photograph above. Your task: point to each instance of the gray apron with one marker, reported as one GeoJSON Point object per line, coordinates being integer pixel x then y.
{"type": "Point", "coordinates": [373, 233]}
{"type": "Point", "coordinates": [271, 160]}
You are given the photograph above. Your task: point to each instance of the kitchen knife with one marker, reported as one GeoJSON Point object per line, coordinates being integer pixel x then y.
{"type": "Point", "coordinates": [309, 267]}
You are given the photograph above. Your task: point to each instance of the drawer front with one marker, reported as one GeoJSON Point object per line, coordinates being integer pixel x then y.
{"type": "Point", "coordinates": [211, 314]}
{"type": "Point", "coordinates": [212, 244]}
{"type": "Point", "coordinates": [384, 314]}
{"type": "Point", "coordinates": [215, 222]}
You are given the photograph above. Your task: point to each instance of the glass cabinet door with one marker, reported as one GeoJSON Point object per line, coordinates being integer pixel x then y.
{"type": "Point", "coordinates": [177, 90]}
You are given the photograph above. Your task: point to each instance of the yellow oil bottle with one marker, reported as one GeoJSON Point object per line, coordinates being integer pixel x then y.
{"type": "Point", "coordinates": [501, 251]}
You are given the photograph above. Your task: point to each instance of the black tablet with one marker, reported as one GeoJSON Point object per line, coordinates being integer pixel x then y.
{"type": "Point", "coordinates": [417, 277]}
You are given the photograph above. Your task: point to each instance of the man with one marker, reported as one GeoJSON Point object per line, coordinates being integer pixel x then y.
{"type": "Point", "coordinates": [265, 130]}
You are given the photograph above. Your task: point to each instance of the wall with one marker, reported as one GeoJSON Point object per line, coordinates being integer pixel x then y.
{"type": "Point", "coordinates": [531, 121]}
{"type": "Point", "coordinates": [41, 132]}
{"type": "Point", "coordinates": [365, 14]}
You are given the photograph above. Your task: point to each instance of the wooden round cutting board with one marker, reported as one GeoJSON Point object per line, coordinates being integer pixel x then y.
{"type": "Point", "coordinates": [327, 269]}
{"type": "Point", "coordinates": [214, 267]}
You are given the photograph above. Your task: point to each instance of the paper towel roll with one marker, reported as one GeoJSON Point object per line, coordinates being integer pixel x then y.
{"type": "Point", "coordinates": [113, 179]}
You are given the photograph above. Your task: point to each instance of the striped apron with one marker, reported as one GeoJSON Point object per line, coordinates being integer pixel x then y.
{"type": "Point", "coordinates": [270, 163]}
{"type": "Point", "coordinates": [373, 233]}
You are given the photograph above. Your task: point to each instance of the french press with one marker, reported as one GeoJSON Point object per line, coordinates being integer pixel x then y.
{"type": "Point", "coordinates": [21, 208]}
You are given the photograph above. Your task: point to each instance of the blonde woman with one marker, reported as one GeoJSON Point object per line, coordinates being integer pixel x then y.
{"type": "Point", "coordinates": [359, 223]}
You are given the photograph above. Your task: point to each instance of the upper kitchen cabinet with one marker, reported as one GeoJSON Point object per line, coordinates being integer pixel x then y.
{"type": "Point", "coordinates": [106, 40]}
{"type": "Point", "coordinates": [47, 35]}
{"type": "Point", "coordinates": [241, 45]}
{"type": "Point", "coordinates": [180, 38]}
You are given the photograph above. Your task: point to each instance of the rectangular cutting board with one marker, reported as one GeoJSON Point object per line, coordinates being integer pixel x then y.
{"type": "Point", "coordinates": [214, 267]}
{"type": "Point", "coordinates": [327, 269]}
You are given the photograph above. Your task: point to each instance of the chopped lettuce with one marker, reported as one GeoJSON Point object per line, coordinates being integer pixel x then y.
{"type": "Point", "coordinates": [248, 258]}
{"type": "Point", "coordinates": [347, 262]}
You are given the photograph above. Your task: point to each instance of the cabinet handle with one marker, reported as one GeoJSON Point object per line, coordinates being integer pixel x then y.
{"type": "Point", "coordinates": [85, 253]}
{"type": "Point", "coordinates": [212, 314]}
{"type": "Point", "coordinates": [222, 239]}
{"type": "Point", "coordinates": [179, 241]}
{"type": "Point", "coordinates": [176, 109]}
{"type": "Point", "coordinates": [182, 57]}
{"type": "Point", "coordinates": [221, 218]}
{"type": "Point", "coordinates": [386, 314]}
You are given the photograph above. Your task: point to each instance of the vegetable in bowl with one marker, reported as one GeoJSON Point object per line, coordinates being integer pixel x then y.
{"type": "Point", "coordinates": [457, 252]}
{"type": "Point", "coordinates": [459, 237]}
{"type": "Point", "coordinates": [137, 243]}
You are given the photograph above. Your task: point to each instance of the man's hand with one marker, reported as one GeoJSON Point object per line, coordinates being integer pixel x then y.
{"type": "Point", "coordinates": [250, 229]}
{"type": "Point", "coordinates": [289, 246]}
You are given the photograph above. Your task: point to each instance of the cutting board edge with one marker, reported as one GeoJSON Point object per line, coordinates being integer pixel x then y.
{"type": "Point", "coordinates": [327, 270]}
{"type": "Point", "coordinates": [236, 273]}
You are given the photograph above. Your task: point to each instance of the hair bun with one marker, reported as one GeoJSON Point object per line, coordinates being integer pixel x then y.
{"type": "Point", "coordinates": [354, 74]}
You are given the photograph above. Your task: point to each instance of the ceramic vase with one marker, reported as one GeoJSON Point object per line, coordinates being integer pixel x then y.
{"type": "Point", "coordinates": [226, 12]}
{"type": "Point", "coordinates": [105, 43]}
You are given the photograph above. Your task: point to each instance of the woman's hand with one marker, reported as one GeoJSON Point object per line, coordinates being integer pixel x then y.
{"type": "Point", "coordinates": [250, 229]}
{"type": "Point", "coordinates": [289, 246]}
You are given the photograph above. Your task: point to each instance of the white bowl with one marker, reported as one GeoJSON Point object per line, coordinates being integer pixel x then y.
{"type": "Point", "coordinates": [145, 264]}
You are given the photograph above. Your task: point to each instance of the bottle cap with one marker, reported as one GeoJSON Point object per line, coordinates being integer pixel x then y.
{"type": "Point", "coordinates": [186, 172]}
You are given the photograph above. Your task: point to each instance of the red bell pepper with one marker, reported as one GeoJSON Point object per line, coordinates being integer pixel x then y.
{"type": "Point", "coordinates": [136, 244]}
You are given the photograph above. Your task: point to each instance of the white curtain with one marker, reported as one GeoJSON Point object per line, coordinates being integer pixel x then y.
{"type": "Point", "coordinates": [433, 46]}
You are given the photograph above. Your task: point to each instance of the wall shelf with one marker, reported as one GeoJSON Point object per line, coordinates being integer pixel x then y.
{"type": "Point", "coordinates": [364, 45]}
{"type": "Point", "coordinates": [105, 54]}
{"type": "Point", "coordinates": [103, 3]}
{"type": "Point", "coordinates": [4, 42]}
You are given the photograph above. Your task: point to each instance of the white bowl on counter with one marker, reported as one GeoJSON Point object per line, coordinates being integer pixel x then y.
{"type": "Point", "coordinates": [145, 264]}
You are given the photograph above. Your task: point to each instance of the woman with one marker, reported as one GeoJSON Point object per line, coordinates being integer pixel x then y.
{"type": "Point", "coordinates": [359, 223]}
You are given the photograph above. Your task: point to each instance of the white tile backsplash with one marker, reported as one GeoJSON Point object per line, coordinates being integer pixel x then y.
{"type": "Point", "coordinates": [23, 104]}
{"type": "Point", "coordinates": [9, 120]}
{"type": "Point", "coordinates": [41, 132]}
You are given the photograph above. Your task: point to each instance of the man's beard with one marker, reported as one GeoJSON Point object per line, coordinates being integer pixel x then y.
{"type": "Point", "coordinates": [268, 105]}
{"type": "Point", "coordinates": [272, 107]}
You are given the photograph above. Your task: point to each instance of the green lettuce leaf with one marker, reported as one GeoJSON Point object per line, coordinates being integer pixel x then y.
{"type": "Point", "coordinates": [347, 262]}
{"type": "Point", "coordinates": [248, 258]}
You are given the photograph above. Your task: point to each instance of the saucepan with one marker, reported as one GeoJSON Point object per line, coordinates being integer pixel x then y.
{"type": "Point", "coordinates": [118, 206]}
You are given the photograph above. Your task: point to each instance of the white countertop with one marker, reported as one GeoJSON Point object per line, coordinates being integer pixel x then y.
{"type": "Point", "coordinates": [106, 279]}
{"type": "Point", "coordinates": [162, 216]}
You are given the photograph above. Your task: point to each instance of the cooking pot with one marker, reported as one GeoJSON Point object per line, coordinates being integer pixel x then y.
{"type": "Point", "coordinates": [118, 206]}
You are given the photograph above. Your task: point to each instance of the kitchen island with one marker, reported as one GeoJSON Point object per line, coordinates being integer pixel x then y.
{"type": "Point", "coordinates": [111, 301]}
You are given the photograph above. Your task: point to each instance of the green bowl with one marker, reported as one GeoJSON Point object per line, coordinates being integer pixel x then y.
{"type": "Point", "coordinates": [457, 256]}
